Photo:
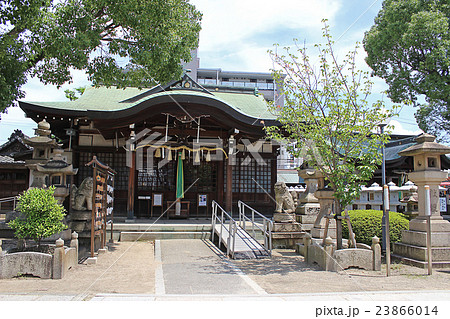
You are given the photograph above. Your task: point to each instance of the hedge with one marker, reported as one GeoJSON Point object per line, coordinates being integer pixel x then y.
{"type": "Point", "coordinates": [367, 224]}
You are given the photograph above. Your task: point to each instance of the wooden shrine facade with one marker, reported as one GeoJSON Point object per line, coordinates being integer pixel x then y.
{"type": "Point", "coordinates": [142, 134]}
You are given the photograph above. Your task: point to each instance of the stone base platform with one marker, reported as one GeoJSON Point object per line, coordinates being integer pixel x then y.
{"type": "Point", "coordinates": [320, 232]}
{"type": "Point", "coordinates": [419, 253]}
{"type": "Point", "coordinates": [287, 235]}
{"type": "Point", "coordinates": [420, 263]}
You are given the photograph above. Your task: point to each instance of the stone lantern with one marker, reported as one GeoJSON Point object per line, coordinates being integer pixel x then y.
{"type": "Point", "coordinates": [326, 202]}
{"type": "Point", "coordinates": [411, 201]}
{"type": "Point", "coordinates": [308, 205]}
{"type": "Point", "coordinates": [57, 173]}
{"type": "Point", "coordinates": [427, 171]}
{"type": "Point", "coordinates": [42, 145]}
{"type": "Point", "coordinates": [44, 170]}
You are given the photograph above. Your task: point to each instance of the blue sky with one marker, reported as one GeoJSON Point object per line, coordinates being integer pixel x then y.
{"type": "Point", "coordinates": [236, 35]}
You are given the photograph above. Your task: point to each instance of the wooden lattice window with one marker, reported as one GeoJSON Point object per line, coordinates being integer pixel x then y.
{"type": "Point", "coordinates": [117, 161]}
{"type": "Point", "coordinates": [250, 176]}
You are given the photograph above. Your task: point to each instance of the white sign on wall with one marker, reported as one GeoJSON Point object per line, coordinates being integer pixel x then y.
{"type": "Point", "coordinates": [443, 204]}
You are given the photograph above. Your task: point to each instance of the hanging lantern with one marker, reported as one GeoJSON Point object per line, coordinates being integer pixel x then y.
{"type": "Point", "coordinates": [158, 153]}
{"type": "Point", "coordinates": [183, 155]}
{"type": "Point", "coordinates": [169, 157]}
{"type": "Point", "coordinates": [197, 157]}
{"type": "Point", "coordinates": [208, 156]}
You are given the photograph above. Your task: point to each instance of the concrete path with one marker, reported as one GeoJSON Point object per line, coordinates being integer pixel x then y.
{"type": "Point", "coordinates": [198, 267]}
{"type": "Point", "coordinates": [197, 270]}
{"type": "Point", "coordinates": [422, 296]}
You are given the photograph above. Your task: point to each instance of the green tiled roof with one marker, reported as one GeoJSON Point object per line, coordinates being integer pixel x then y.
{"type": "Point", "coordinates": [113, 99]}
{"type": "Point", "coordinates": [249, 104]}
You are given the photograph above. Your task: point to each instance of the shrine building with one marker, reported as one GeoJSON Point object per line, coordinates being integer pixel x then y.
{"type": "Point", "coordinates": [181, 140]}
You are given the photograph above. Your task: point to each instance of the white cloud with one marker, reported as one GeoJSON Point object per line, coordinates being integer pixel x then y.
{"type": "Point", "coordinates": [235, 20]}
{"type": "Point", "coordinates": [400, 129]}
{"type": "Point", "coordinates": [230, 26]}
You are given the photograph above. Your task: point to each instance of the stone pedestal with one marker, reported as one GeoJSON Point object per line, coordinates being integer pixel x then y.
{"type": "Point", "coordinates": [287, 235]}
{"type": "Point", "coordinates": [412, 249]}
{"type": "Point", "coordinates": [80, 222]}
{"type": "Point", "coordinates": [284, 217]}
{"type": "Point", "coordinates": [308, 208]}
{"type": "Point", "coordinates": [326, 200]}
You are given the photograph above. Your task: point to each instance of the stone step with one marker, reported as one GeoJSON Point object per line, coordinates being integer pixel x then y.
{"type": "Point", "coordinates": [160, 228]}
{"type": "Point", "coordinates": [420, 263]}
{"type": "Point", "coordinates": [420, 253]}
{"type": "Point", "coordinates": [417, 238]}
{"type": "Point", "coordinates": [136, 235]}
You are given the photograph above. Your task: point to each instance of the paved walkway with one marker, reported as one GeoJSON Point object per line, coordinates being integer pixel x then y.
{"type": "Point", "coordinates": [197, 270]}
{"type": "Point", "coordinates": [196, 267]}
{"type": "Point", "coordinates": [422, 296]}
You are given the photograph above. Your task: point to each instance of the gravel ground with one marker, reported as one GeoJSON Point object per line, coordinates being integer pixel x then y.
{"type": "Point", "coordinates": [286, 272]}
{"type": "Point", "coordinates": [126, 268]}
{"type": "Point", "coordinates": [129, 268]}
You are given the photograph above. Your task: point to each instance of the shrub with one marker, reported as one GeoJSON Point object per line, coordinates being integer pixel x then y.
{"type": "Point", "coordinates": [40, 215]}
{"type": "Point", "coordinates": [367, 223]}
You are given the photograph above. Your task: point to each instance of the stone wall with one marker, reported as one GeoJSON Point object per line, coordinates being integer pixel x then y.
{"type": "Point", "coordinates": [41, 265]}
{"type": "Point", "coordinates": [330, 259]}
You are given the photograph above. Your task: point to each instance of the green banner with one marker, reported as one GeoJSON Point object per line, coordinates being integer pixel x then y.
{"type": "Point", "coordinates": [180, 177]}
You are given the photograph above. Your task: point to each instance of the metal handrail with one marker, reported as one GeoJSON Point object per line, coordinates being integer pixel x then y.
{"type": "Point", "coordinates": [266, 229]}
{"type": "Point", "coordinates": [232, 227]}
{"type": "Point", "coordinates": [9, 199]}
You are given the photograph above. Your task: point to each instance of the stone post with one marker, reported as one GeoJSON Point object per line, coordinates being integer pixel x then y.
{"type": "Point", "coordinates": [328, 254]}
{"type": "Point", "coordinates": [21, 244]}
{"type": "Point", "coordinates": [376, 248]}
{"type": "Point", "coordinates": [306, 243]}
{"type": "Point", "coordinates": [326, 201]}
{"type": "Point", "coordinates": [308, 205]}
{"type": "Point", "coordinates": [74, 242]}
{"type": "Point", "coordinates": [58, 260]}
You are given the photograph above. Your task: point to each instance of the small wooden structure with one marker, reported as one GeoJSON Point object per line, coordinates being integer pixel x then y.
{"type": "Point", "coordinates": [102, 202]}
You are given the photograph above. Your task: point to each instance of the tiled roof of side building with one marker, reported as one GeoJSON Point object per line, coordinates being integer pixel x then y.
{"type": "Point", "coordinates": [113, 99]}
{"type": "Point", "coordinates": [9, 160]}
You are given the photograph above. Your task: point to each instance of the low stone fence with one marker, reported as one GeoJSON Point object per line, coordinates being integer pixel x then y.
{"type": "Point", "coordinates": [41, 265]}
{"type": "Point", "coordinates": [330, 259]}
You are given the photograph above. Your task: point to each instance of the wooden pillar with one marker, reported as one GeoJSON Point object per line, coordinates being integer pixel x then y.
{"type": "Point", "coordinates": [220, 181]}
{"type": "Point", "coordinates": [229, 193]}
{"type": "Point", "coordinates": [131, 185]}
{"type": "Point", "coordinates": [273, 175]}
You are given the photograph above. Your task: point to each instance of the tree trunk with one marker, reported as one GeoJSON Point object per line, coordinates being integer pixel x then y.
{"type": "Point", "coordinates": [338, 211]}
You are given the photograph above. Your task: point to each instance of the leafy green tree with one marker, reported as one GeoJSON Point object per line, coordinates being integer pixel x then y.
{"type": "Point", "coordinates": [434, 118]}
{"type": "Point", "coordinates": [40, 215]}
{"type": "Point", "coordinates": [47, 39]}
{"type": "Point", "coordinates": [72, 94]}
{"type": "Point", "coordinates": [408, 46]}
{"type": "Point", "coordinates": [327, 117]}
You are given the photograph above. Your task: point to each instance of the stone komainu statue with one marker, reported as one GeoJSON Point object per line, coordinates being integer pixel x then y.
{"type": "Point", "coordinates": [83, 195]}
{"type": "Point", "coordinates": [285, 203]}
